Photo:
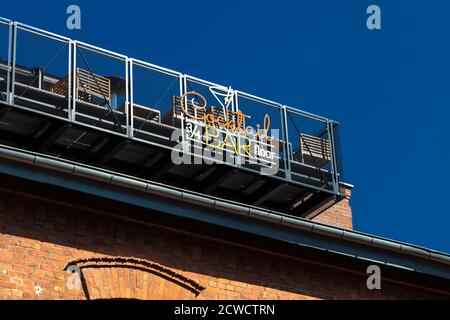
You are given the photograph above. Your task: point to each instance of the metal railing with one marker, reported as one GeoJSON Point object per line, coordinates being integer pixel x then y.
{"type": "Point", "coordinates": [84, 84]}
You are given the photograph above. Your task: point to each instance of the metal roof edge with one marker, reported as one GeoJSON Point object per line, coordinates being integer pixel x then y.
{"type": "Point", "coordinates": [123, 181]}
{"type": "Point", "coordinates": [348, 185]}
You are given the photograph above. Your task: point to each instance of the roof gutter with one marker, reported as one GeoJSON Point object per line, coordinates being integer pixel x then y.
{"type": "Point", "coordinates": [100, 175]}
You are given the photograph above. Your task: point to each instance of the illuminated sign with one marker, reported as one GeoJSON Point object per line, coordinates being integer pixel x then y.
{"type": "Point", "coordinates": [225, 130]}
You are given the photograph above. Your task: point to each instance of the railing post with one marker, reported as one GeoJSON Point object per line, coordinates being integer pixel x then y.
{"type": "Point", "coordinates": [239, 160]}
{"type": "Point", "coordinates": [8, 74]}
{"type": "Point", "coordinates": [69, 82]}
{"type": "Point", "coordinates": [287, 151]}
{"type": "Point", "coordinates": [339, 172]}
{"type": "Point", "coordinates": [335, 174]}
{"type": "Point", "coordinates": [13, 61]}
{"type": "Point", "coordinates": [181, 84]}
{"type": "Point", "coordinates": [130, 98]}
{"type": "Point", "coordinates": [73, 74]}
{"type": "Point", "coordinates": [183, 134]}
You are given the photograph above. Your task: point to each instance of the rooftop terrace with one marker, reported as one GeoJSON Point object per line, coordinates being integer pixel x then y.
{"type": "Point", "coordinates": [78, 102]}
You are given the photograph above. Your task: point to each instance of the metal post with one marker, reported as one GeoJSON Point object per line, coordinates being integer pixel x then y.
{"type": "Point", "coordinates": [126, 106]}
{"type": "Point", "coordinates": [8, 74]}
{"type": "Point", "coordinates": [130, 107]}
{"type": "Point", "coordinates": [333, 158]}
{"type": "Point", "coordinates": [183, 140]}
{"type": "Point", "coordinates": [287, 157]}
{"type": "Point", "coordinates": [337, 173]}
{"type": "Point", "coordinates": [240, 159]}
{"type": "Point", "coordinates": [69, 82]}
{"type": "Point", "coordinates": [13, 53]}
{"type": "Point", "coordinates": [236, 101]}
{"type": "Point", "coordinates": [181, 84]}
{"type": "Point", "coordinates": [74, 83]}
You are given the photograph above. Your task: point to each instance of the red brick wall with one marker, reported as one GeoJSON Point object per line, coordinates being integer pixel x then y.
{"type": "Point", "coordinates": [340, 214]}
{"type": "Point", "coordinates": [119, 277]}
{"type": "Point", "coordinates": [39, 239]}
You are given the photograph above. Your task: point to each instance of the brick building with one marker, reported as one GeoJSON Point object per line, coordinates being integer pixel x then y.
{"type": "Point", "coordinates": [89, 212]}
{"type": "Point", "coordinates": [126, 251]}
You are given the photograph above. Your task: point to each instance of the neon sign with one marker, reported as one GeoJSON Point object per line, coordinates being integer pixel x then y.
{"type": "Point", "coordinates": [227, 131]}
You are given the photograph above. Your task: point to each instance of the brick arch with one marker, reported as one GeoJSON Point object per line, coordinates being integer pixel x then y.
{"type": "Point", "coordinates": [132, 278]}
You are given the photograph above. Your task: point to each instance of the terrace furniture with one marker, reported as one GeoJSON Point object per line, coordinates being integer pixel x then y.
{"type": "Point", "coordinates": [90, 87]}
{"type": "Point", "coordinates": [173, 117]}
{"type": "Point", "coordinates": [314, 151]}
{"type": "Point", "coordinates": [61, 87]}
{"type": "Point", "coordinates": [96, 99]}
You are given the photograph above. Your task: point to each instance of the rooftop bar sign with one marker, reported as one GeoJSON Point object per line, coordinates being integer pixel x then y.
{"type": "Point", "coordinates": [225, 132]}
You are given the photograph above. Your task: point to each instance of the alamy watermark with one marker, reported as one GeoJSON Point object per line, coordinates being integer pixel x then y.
{"type": "Point", "coordinates": [73, 21]}
{"type": "Point", "coordinates": [217, 146]}
{"type": "Point", "coordinates": [374, 20]}
{"type": "Point", "coordinates": [73, 281]}
{"type": "Point", "coordinates": [374, 279]}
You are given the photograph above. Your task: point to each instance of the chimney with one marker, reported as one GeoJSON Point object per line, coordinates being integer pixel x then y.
{"type": "Point", "coordinates": [340, 214]}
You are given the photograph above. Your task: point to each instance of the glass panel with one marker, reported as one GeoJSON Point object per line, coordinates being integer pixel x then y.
{"type": "Point", "coordinates": [208, 111]}
{"type": "Point", "coordinates": [4, 48]}
{"type": "Point", "coordinates": [310, 150]}
{"type": "Point", "coordinates": [40, 69]}
{"type": "Point", "coordinates": [154, 93]}
{"type": "Point", "coordinates": [100, 89]}
{"type": "Point", "coordinates": [264, 127]}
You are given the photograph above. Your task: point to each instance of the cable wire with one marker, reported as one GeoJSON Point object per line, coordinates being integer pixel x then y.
{"type": "Point", "coordinates": [99, 87]}
{"type": "Point", "coordinates": [307, 147]}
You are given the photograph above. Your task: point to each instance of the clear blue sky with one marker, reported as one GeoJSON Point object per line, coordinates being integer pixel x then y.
{"type": "Point", "coordinates": [389, 89]}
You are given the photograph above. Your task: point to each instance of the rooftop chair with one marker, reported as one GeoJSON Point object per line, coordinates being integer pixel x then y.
{"type": "Point", "coordinates": [89, 86]}
{"type": "Point", "coordinates": [173, 117]}
{"type": "Point", "coordinates": [314, 151]}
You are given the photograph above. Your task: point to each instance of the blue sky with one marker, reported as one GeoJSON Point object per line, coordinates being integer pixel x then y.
{"type": "Point", "coordinates": [389, 89]}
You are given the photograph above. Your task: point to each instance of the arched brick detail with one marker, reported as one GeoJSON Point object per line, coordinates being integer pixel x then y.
{"type": "Point", "coordinates": [132, 278]}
